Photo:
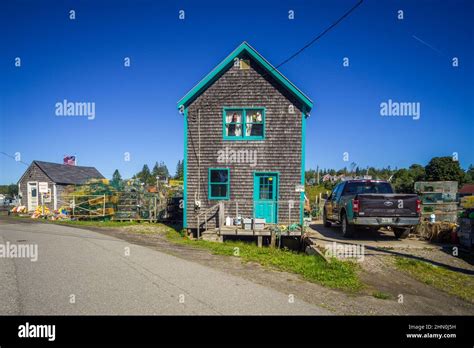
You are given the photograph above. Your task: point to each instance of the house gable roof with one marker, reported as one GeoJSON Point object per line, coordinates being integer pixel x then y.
{"type": "Point", "coordinates": [467, 189]}
{"type": "Point", "coordinates": [67, 174]}
{"type": "Point", "coordinates": [227, 63]}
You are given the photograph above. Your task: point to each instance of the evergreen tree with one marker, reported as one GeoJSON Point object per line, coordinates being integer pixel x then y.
{"type": "Point", "coordinates": [160, 170]}
{"type": "Point", "coordinates": [116, 179]}
{"type": "Point", "coordinates": [144, 175]}
{"type": "Point", "coordinates": [179, 170]}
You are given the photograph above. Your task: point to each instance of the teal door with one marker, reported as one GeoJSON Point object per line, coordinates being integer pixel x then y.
{"type": "Point", "coordinates": [265, 197]}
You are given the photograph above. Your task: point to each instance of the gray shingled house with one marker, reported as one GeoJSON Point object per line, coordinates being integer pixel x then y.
{"type": "Point", "coordinates": [58, 176]}
{"type": "Point", "coordinates": [244, 135]}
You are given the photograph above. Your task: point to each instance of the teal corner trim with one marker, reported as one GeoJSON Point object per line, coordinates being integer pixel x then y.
{"type": "Point", "coordinates": [303, 158]}
{"type": "Point", "coordinates": [227, 63]}
{"type": "Point", "coordinates": [244, 122]}
{"type": "Point", "coordinates": [185, 170]}
{"type": "Point", "coordinates": [209, 196]}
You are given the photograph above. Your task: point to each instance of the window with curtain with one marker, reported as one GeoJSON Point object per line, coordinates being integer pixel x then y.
{"type": "Point", "coordinates": [244, 123]}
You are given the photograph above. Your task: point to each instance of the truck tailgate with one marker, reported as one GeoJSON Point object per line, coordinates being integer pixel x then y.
{"type": "Point", "coordinates": [387, 204]}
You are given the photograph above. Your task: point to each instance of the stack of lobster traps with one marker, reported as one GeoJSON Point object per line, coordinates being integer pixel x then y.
{"type": "Point", "coordinates": [438, 198]}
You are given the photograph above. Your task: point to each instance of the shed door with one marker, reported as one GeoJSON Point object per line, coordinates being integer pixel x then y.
{"type": "Point", "coordinates": [266, 197]}
{"type": "Point", "coordinates": [32, 195]}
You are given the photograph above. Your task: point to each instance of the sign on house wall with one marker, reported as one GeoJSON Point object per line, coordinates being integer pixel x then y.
{"type": "Point", "coordinates": [43, 187]}
{"type": "Point", "coordinates": [299, 188]}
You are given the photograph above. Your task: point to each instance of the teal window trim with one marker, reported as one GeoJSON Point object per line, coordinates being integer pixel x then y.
{"type": "Point", "coordinates": [243, 123]}
{"type": "Point", "coordinates": [209, 183]}
{"type": "Point", "coordinates": [277, 174]}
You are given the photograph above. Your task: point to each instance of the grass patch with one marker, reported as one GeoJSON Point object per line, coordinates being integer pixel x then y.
{"type": "Point", "coordinates": [454, 283]}
{"type": "Point", "coordinates": [94, 223]}
{"type": "Point", "coordinates": [337, 274]}
{"type": "Point", "coordinates": [381, 295]}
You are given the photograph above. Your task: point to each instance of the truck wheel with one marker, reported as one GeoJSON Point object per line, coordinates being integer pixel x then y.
{"type": "Point", "coordinates": [326, 223]}
{"type": "Point", "coordinates": [401, 233]}
{"type": "Point", "coordinates": [347, 229]}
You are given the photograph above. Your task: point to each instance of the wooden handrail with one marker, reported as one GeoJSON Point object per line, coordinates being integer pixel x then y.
{"type": "Point", "coordinates": [219, 208]}
{"type": "Point", "coordinates": [208, 210]}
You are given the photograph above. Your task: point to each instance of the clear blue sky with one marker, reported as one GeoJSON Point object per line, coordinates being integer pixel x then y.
{"type": "Point", "coordinates": [82, 60]}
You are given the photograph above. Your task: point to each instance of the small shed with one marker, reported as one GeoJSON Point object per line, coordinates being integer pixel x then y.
{"type": "Point", "coordinates": [466, 190]}
{"type": "Point", "coordinates": [244, 150]}
{"type": "Point", "coordinates": [57, 176]}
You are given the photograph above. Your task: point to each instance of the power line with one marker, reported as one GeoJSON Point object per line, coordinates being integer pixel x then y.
{"type": "Point", "coordinates": [319, 36]}
{"type": "Point", "coordinates": [344, 16]}
{"type": "Point", "coordinates": [13, 157]}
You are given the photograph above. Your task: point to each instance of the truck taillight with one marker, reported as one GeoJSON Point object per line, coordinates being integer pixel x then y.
{"type": "Point", "coordinates": [355, 205]}
{"type": "Point", "coordinates": [418, 206]}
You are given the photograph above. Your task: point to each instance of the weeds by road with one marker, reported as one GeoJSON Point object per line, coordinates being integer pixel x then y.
{"type": "Point", "coordinates": [454, 283]}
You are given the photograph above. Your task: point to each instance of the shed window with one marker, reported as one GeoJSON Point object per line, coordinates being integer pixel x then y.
{"type": "Point", "coordinates": [219, 183]}
{"type": "Point", "coordinates": [244, 123]}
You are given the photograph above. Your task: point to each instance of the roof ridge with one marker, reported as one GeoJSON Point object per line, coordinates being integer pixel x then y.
{"type": "Point", "coordinates": [62, 164]}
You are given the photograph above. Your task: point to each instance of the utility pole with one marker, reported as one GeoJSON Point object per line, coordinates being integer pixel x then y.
{"type": "Point", "coordinates": [317, 175]}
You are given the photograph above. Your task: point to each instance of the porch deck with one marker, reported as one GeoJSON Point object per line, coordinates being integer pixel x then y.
{"type": "Point", "coordinates": [238, 231]}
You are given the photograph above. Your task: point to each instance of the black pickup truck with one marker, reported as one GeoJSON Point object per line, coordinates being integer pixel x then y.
{"type": "Point", "coordinates": [371, 203]}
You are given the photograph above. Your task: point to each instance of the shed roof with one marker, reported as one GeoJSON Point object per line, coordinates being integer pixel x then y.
{"type": "Point", "coordinates": [467, 189]}
{"type": "Point", "coordinates": [227, 63]}
{"type": "Point", "coordinates": [67, 174]}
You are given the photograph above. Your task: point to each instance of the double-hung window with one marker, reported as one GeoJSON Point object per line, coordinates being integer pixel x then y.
{"type": "Point", "coordinates": [244, 123]}
{"type": "Point", "coordinates": [219, 183]}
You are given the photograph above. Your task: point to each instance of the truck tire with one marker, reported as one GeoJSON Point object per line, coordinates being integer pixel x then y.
{"type": "Point", "coordinates": [326, 223]}
{"type": "Point", "coordinates": [347, 229]}
{"type": "Point", "coordinates": [401, 233]}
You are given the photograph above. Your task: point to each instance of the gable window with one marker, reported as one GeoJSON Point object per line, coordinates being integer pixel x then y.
{"type": "Point", "coordinates": [244, 123]}
{"type": "Point", "coordinates": [219, 183]}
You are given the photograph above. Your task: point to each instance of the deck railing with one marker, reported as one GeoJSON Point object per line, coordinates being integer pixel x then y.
{"type": "Point", "coordinates": [232, 207]}
{"type": "Point", "coordinates": [212, 211]}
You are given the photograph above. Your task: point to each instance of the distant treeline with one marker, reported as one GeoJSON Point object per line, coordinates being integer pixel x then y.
{"type": "Point", "coordinates": [403, 180]}
{"type": "Point", "coordinates": [149, 177]}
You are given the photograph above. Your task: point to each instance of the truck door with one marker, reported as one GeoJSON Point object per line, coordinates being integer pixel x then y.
{"type": "Point", "coordinates": [328, 206]}
{"type": "Point", "coordinates": [336, 204]}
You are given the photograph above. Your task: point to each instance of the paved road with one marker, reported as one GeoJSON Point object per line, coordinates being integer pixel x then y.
{"type": "Point", "coordinates": [104, 280]}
